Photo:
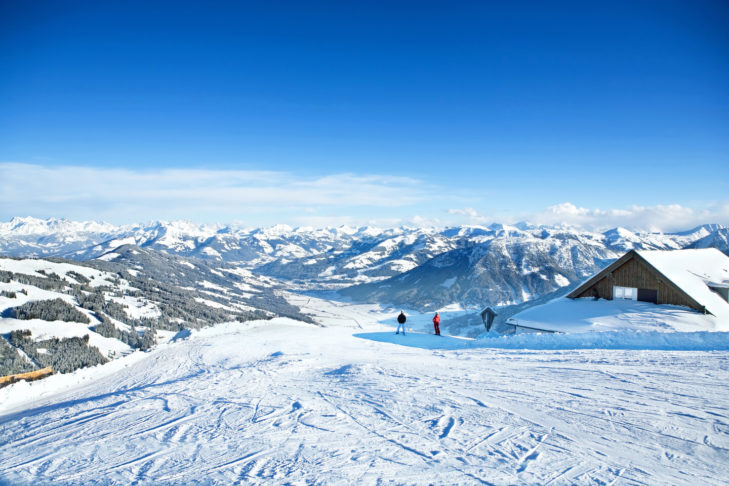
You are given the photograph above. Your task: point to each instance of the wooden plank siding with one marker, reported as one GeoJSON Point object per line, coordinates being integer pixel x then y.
{"type": "Point", "coordinates": [632, 270]}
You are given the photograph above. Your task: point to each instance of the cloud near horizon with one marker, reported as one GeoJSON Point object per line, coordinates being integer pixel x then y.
{"type": "Point", "coordinates": [666, 218]}
{"type": "Point", "coordinates": [264, 198]}
{"type": "Point", "coordinates": [197, 194]}
{"type": "Point", "coordinates": [672, 217]}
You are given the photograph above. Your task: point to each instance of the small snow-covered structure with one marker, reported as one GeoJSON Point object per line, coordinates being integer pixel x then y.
{"type": "Point", "coordinates": [691, 286]}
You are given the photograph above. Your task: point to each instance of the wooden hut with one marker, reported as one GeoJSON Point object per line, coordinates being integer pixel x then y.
{"type": "Point", "coordinates": [691, 278]}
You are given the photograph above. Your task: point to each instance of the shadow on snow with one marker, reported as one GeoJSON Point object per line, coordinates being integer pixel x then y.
{"type": "Point", "coordinates": [638, 340]}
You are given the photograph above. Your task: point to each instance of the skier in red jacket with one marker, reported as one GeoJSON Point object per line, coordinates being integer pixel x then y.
{"type": "Point", "coordinates": [436, 324]}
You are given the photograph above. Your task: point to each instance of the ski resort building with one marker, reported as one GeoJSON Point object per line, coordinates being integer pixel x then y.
{"type": "Point", "coordinates": [691, 286]}
{"type": "Point", "coordinates": [698, 279]}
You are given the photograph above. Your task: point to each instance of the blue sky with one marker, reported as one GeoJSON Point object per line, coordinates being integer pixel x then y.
{"type": "Point", "coordinates": [366, 112]}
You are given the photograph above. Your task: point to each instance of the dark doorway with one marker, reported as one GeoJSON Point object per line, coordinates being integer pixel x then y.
{"type": "Point", "coordinates": [648, 295]}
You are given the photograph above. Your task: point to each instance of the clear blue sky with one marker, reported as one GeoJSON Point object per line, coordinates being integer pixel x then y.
{"type": "Point", "coordinates": [504, 108]}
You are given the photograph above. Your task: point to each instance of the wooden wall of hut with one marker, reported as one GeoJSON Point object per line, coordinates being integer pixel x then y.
{"type": "Point", "coordinates": [636, 273]}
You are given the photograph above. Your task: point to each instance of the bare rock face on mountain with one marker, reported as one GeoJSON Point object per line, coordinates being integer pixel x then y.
{"type": "Point", "coordinates": [496, 273]}
{"type": "Point", "coordinates": [718, 239]}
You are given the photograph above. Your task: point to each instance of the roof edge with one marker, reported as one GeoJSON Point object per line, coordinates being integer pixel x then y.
{"type": "Point", "coordinates": [601, 274]}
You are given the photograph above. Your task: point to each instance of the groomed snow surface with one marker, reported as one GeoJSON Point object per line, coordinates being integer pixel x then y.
{"type": "Point", "coordinates": [351, 403]}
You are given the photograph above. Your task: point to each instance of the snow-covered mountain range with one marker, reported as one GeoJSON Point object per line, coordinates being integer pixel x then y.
{"type": "Point", "coordinates": [415, 267]}
{"type": "Point", "coordinates": [87, 240]}
{"type": "Point", "coordinates": [505, 265]}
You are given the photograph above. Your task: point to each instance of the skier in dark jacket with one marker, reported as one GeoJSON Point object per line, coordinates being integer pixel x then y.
{"type": "Point", "coordinates": [401, 322]}
{"type": "Point", "coordinates": [436, 324]}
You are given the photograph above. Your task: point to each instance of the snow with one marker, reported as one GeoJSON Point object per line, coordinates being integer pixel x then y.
{"type": "Point", "coordinates": [277, 230]}
{"type": "Point", "coordinates": [215, 272]}
{"type": "Point", "coordinates": [455, 307]}
{"type": "Point", "coordinates": [32, 226]}
{"type": "Point", "coordinates": [120, 325]}
{"type": "Point", "coordinates": [210, 285]}
{"type": "Point", "coordinates": [448, 283]}
{"type": "Point", "coordinates": [116, 243]}
{"type": "Point", "coordinates": [526, 295]}
{"type": "Point", "coordinates": [351, 403]}
{"type": "Point", "coordinates": [291, 251]}
{"type": "Point", "coordinates": [246, 288]}
{"type": "Point", "coordinates": [397, 266]}
{"type": "Point", "coordinates": [208, 251]}
{"type": "Point", "coordinates": [637, 340]}
{"type": "Point", "coordinates": [42, 330]}
{"type": "Point", "coordinates": [30, 266]}
{"type": "Point", "coordinates": [32, 293]}
{"type": "Point", "coordinates": [329, 271]}
{"type": "Point", "coordinates": [107, 257]}
{"type": "Point", "coordinates": [164, 336]}
{"type": "Point", "coordinates": [137, 307]}
{"type": "Point", "coordinates": [582, 315]}
{"type": "Point", "coordinates": [691, 270]}
{"type": "Point", "coordinates": [211, 303]}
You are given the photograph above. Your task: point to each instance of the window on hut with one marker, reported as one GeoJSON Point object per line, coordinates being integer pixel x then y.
{"type": "Point", "coordinates": [625, 293]}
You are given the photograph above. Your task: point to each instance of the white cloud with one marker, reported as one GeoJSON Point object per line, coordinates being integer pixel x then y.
{"type": "Point", "coordinates": [262, 198]}
{"type": "Point", "coordinates": [424, 221]}
{"type": "Point", "coordinates": [468, 215]}
{"type": "Point", "coordinates": [666, 218]}
{"type": "Point", "coordinates": [470, 212]}
{"type": "Point", "coordinates": [220, 195]}
{"type": "Point", "coordinates": [670, 217]}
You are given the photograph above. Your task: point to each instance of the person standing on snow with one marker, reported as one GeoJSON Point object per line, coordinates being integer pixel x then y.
{"type": "Point", "coordinates": [401, 322]}
{"type": "Point", "coordinates": [436, 324]}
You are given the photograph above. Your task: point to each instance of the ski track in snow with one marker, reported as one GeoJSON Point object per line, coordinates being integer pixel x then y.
{"type": "Point", "coordinates": [292, 403]}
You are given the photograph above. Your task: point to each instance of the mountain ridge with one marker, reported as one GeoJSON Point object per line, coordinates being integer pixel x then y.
{"type": "Point", "coordinates": [472, 265]}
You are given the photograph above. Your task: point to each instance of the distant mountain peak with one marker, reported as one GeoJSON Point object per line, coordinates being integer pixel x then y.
{"type": "Point", "coordinates": [703, 229]}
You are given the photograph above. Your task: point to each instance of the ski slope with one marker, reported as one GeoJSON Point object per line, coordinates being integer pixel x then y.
{"type": "Point", "coordinates": [284, 402]}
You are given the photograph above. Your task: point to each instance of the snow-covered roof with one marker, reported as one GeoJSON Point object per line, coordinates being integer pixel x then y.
{"type": "Point", "coordinates": [693, 271]}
